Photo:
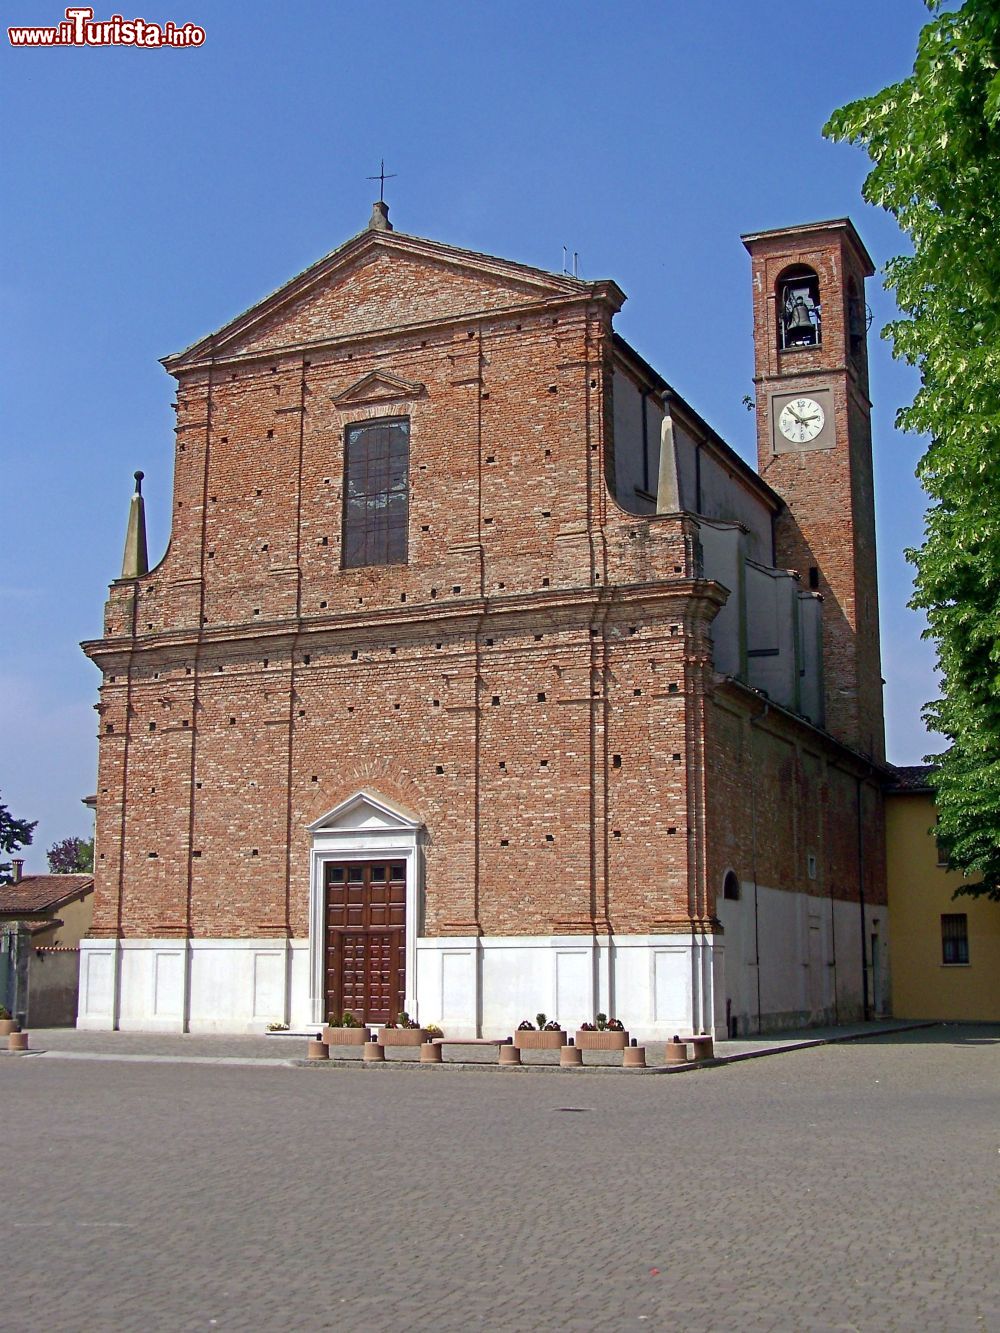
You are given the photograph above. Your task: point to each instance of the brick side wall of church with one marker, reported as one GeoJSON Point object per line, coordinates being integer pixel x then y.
{"type": "Point", "coordinates": [780, 793]}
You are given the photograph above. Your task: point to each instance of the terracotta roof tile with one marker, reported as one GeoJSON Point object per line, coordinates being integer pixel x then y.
{"type": "Point", "coordinates": [36, 893]}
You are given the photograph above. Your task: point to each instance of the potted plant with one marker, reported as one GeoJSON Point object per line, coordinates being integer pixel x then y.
{"type": "Point", "coordinates": [403, 1031]}
{"type": "Point", "coordinates": [8, 1023]}
{"type": "Point", "coordinates": [345, 1030]}
{"type": "Point", "coordinates": [604, 1034]}
{"type": "Point", "coordinates": [543, 1035]}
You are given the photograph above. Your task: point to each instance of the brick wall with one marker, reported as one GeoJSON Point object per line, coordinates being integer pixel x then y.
{"type": "Point", "coordinates": [531, 683]}
{"type": "Point", "coordinates": [779, 793]}
{"type": "Point", "coordinates": [534, 684]}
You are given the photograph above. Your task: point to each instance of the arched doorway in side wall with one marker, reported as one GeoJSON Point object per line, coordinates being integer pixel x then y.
{"type": "Point", "coordinates": [729, 912]}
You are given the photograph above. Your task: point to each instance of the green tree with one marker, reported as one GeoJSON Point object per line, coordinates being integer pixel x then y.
{"type": "Point", "coordinates": [14, 834]}
{"type": "Point", "coordinates": [72, 856]}
{"type": "Point", "coordinates": [935, 144]}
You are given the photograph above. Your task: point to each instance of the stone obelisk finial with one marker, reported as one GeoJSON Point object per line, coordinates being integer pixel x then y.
{"type": "Point", "coordinates": [379, 220]}
{"type": "Point", "coordinates": [136, 561]}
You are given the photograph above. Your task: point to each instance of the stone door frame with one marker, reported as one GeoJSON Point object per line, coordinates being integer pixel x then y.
{"type": "Point", "coordinates": [365, 827]}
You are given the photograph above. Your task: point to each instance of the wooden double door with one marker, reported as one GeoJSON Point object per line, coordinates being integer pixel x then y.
{"type": "Point", "coordinates": [366, 939]}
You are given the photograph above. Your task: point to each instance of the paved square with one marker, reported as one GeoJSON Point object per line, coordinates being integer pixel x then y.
{"type": "Point", "coordinates": [842, 1187]}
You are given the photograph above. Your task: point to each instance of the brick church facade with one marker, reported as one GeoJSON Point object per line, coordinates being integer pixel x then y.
{"type": "Point", "coordinates": [481, 677]}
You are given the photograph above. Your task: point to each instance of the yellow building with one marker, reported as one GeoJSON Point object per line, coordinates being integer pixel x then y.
{"type": "Point", "coordinates": [945, 950]}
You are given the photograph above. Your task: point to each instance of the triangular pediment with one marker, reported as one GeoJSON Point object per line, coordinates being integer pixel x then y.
{"type": "Point", "coordinates": [366, 810]}
{"type": "Point", "coordinates": [381, 281]}
{"type": "Point", "coordinates": [378, 387]}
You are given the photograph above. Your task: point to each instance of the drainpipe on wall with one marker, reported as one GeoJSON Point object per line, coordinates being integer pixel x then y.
{"type": "Point", "coordinates": [861, 902]}
{"type": "Point", "coordinates": [833, 944]}
{"type": "Point", "coordinates": [753, 856]}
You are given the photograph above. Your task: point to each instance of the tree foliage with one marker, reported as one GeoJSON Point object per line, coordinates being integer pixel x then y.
{"type": "Point", "coordinates": [935, 144]}
{"type": "Point", "coordinates": [14, 834]}
{"type": "Point", "coordinates": [72, 856]}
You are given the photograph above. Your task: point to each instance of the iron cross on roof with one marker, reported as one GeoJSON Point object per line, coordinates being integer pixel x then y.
{"type": "Point", "coordinates": [382, 178]}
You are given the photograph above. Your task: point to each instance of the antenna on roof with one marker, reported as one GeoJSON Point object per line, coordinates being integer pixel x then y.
{"type": "Point", "coordinates": [576, 263]}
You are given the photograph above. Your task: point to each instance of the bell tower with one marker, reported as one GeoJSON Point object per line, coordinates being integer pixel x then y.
{"type": "Point", "coordinates": [814, 448]}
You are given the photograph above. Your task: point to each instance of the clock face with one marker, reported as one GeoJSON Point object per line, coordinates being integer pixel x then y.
{"type": "Point", "coordinates": [801, 420]}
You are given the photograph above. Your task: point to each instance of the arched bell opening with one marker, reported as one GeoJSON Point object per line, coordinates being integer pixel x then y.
{"type": "Point", "coordinates": [800, 315]}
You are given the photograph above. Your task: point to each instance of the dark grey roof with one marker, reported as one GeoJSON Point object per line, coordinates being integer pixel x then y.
{"type": "Point", "coordinates": [911, 777]}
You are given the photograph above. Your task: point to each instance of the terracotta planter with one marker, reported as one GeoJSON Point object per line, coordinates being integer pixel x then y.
{"type": "Point", "coordinates": [676, 1052]}
{"type": "Point", "coordinates": [9, 1025]}
{"type": "Point", "coordinates": [402, 1036]}
{"type": "Point", "coordinates": [345, 1036]}
{"type": "Point", "coordinates": [703, 1047]}
{"type": "Point", "coordinates": [17, 1041]}
{"type": "Point", "coordinates": [540, 1041]}
{"type": "Point", "coordinates": [602, 1041]}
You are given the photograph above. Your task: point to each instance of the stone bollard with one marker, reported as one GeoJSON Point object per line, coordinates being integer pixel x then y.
{"type": "Point", "coordinates": [510, 1055]}
{"type": "Point", "coordinates": [430, 1053]}
{"type": "Point", "coordinates": [677, 1052]}
{"type": "Point", "coordinates": [316, 1049]}
{"type": "Point", "coordinates": [373, 1050]}
{"type": "Point", "coordinates": [703, 1047]}
{"type": "Point", "coordinates": [570, 1055]}
{"type": "Point", "coordinates": [17, 1041]}
{"type": "Point", "coordinates": [634, 1057]}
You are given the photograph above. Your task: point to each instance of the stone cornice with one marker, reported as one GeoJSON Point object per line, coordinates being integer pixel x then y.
{"type": "Point", "coordinates": [861, 765]}
{"type": "Point", "coordinates": [681, 597]}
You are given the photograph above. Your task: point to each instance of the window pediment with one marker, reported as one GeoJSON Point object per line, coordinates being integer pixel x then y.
{"type": "Point", "coordinates": [365, 810]}
{"type": "Point", "coordinates": [378, 386]}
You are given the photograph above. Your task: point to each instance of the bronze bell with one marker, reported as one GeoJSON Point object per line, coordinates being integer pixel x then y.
{"type": "Point", "coordinates": [798, 304]}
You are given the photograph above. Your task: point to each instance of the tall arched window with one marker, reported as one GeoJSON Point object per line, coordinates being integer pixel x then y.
{"type": "Point", "coordinates": [800, 316]}
{"type": "Point", "coordinates": [731, 887]}
{"type": "Point", "coordinates": [376, 492]}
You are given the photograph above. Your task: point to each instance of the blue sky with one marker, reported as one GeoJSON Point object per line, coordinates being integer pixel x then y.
{"type": "Point", "coordinates": [152, 195]}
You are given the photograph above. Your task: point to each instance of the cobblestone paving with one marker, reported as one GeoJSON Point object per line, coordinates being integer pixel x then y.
{"type": "Point", "coordinates": [834, 1188]}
